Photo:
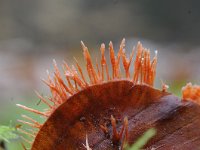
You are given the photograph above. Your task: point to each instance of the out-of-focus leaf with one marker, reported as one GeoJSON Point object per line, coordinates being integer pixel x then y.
{"type": "Point", "coordinates": [8, 133]}
{"type": "Point", "coordinates": [142, 140]}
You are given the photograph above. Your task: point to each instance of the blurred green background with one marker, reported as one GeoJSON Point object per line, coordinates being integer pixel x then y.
{"type": "Point", "coordinates": [33, 33]}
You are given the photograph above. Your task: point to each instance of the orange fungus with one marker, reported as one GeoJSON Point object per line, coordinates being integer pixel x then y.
{"type": "Point", "coordinates": [107, 108]}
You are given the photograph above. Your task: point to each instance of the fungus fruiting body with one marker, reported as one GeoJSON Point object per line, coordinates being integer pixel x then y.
{"type": "Point", "coordinates": [114, 107]}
